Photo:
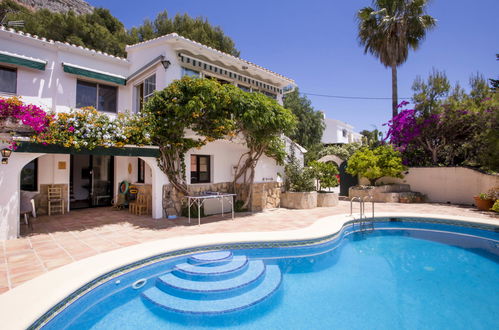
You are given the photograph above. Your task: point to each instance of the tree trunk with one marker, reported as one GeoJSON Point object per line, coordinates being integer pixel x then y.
{"type": "Point", "coordinates": [394, 91]}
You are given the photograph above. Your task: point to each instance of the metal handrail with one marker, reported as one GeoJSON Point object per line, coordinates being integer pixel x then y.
{"type": "Point", "coordinates": [371, 199]}
{"type": "Point", "coordinates": [360, 205]}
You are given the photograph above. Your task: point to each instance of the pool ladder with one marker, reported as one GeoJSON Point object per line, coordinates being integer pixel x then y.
{"type": "Point", "coordinates": [363, 222]}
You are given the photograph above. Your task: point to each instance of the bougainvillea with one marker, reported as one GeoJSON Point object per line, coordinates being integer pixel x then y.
{"type": "Point", "coordinates": [453, 134]}
{"type": "Point", "coordinates": [17, 117]}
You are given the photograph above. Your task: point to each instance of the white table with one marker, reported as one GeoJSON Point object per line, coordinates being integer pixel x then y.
{"type": "Point", "coordinates": [200, 199]}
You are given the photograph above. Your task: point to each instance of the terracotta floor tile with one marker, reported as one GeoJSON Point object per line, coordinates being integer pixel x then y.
{"type": "Point", "coordinates": [25, 257]}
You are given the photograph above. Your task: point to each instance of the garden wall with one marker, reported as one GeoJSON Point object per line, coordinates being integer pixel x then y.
{"type": "Point", "coordinates": [456, 185]}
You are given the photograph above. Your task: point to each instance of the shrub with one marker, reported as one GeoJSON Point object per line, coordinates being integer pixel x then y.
{"type": "Point", "coordinates": [298, 178]}
{"type": "Point", "coordinates": [325, 173]}
{"type": "Point", "coordinates": [377, 163]}
{"type": "Point", "coordinates": [495, 208]}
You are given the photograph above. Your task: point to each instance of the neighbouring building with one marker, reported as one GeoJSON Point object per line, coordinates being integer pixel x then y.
{"type": "Point", "coordinates": [337, 132]}
{"type": "Point", "coordinates": [59, 76]}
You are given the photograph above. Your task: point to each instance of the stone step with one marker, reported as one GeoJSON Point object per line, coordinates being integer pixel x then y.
{"type": "Point", "coordinates": [184, 288]}
{"type": "Point", "coordinates": [210, 258]}
{"type": "Point", "coordinates": [234, 267]}
{"type": "Point", "coordinates": [265, 289]}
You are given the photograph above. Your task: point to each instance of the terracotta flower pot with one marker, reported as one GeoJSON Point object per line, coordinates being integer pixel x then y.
{"type": "Point", "coordinates": [483, 204]}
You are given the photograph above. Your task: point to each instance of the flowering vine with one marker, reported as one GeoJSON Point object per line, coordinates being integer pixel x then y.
{"type": "Point", "coordinates": [17, 117]}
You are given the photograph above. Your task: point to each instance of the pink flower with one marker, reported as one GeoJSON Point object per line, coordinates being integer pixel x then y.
{"type": "Point", "coordinates": [71, 129]}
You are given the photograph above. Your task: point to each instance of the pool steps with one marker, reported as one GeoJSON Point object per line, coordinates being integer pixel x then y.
{"type": "Point", "coordinates": [214, 283]}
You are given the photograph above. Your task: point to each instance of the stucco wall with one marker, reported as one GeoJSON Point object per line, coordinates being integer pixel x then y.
{"type": "Point", "coordinates": [456, 185]}
{"type": "Point", "coordinates": [53, 89]}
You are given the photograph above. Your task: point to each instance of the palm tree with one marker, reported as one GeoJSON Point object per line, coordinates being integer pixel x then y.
{"type": "Point", "coordinates": [389, 28]}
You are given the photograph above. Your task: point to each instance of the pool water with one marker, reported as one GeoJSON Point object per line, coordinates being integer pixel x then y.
{"type": "Point", "coordinates": [392, 278]}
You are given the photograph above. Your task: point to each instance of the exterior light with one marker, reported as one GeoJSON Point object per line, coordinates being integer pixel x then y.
{"type": "Point", "coordinates": [6, 152]}
{"type": "Point", "coordinates": [166, 64]}
{"type": "Point", "coordinates": [5, 161]}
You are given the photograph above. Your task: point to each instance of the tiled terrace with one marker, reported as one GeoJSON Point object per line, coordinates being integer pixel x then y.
{"type": "Point", "coordinates": [62, 239]}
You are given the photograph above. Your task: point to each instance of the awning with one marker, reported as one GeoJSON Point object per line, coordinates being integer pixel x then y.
{"type": "Point", "coordinates": [111, 151]}
{"type": "Point", "coordinates": [94, 74]}
{"type": "Point", "coordinates": [20, 60]}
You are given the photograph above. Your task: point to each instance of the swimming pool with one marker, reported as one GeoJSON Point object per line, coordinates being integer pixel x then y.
{"type": "Point", "coordinates": [402, 274]}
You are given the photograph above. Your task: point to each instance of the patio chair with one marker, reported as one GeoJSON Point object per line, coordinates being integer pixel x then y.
{"type": "Point", "coordinates": [55, 200]}
{"type": "Point", "coordinates": [28, 207]}
{"type": "Point", "coordinates": [140, 205]}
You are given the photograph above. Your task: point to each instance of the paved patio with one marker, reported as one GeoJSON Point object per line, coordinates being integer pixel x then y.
{"type": "Point", "coordinates": [62, 239]}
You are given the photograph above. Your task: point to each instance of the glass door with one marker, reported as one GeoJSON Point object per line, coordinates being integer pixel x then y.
{"type": "Point", "coordinates": [91, 181]}
{"type": "Point", "coordinates": [102, 180]}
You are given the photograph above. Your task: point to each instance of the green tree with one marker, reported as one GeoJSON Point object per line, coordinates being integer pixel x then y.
{"type": "Point", "coordinates": [200, 105]}
{"type": "Point", "coordinates": [372, 138]}
{"type": "Point", "coordinates": [389, 29]}
{"type": "Point", "coordinates": [377, 163]}
{"type": "Point", "coordinates": [428, 94]}
{"type": "Point", "coordinates": [262, 122]}
{"type": "Point", "coordinates": [325, 173]}
{"type": "Point", "coordinates": [215, 111]}
{"type": "Point", "coordinates": [310, 126]}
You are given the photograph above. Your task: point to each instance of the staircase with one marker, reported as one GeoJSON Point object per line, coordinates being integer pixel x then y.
{"type": "Point", "coordinates": [214, 283]}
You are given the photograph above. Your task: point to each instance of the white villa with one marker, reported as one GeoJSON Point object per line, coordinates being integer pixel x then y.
{"type": "Point", "coordinates": [337, 132]}
{"type": "Point", "coordinates": [59, 76]}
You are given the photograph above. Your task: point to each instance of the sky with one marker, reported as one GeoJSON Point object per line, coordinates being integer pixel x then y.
{"type": "Point", "coordinates": [315, 43]}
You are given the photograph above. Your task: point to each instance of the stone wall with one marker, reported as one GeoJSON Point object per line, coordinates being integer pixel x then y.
{"type": "Point", "coordinates": [41, 200]}
{"type": "Point", "coordinates": [266, 195]}
{"type": "Point", "coordinates": [299, 200]}
{"type": "Point", "coordinates": [392, 193]}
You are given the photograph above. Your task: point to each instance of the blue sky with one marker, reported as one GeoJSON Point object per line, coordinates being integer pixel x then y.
{"type": "Point", "coordinates": [315, 43]}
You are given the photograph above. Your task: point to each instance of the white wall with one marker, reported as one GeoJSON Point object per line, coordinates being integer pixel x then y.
{"type": "Point", "coordinates": [333, 133]}
{"type": "Point", "coordinates": [53, 89]}
{"type": "Point", "coordinates": [456, 185]}
{"type": "Point", "coordinates": [49, 172]}
{"type": "Point", "coordinates": [10, 176]}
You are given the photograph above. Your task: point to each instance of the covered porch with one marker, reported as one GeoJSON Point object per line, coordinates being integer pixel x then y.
{"type": "Point", "coordinates": [84, 178]}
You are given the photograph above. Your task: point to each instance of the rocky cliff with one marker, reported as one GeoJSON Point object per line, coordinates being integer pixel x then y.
{"type": "Point", "coordinates": [78, 6]}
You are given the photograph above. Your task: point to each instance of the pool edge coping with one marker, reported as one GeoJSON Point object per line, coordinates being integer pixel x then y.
{"type": "Point", "coordinates": [18, 309]}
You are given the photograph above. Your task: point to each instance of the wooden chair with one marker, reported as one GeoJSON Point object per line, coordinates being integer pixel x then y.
{"type": "Point", "coordinates": [55, 200]}
{"type": "Point", "coordinates": [141, 205]}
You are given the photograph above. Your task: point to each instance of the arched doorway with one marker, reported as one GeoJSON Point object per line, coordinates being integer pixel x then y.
{"type": "Point", "coordinates": [346, 180]}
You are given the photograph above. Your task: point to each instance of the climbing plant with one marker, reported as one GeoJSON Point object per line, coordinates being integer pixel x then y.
{"type": "Point", "coordinates": [192, 112]}
{"type": "Point", "coordinates": [262, 123]}
{"type": "Point", "coordinates": [187, 114]}
{"type": "Point", "coordinates": [88, 128]}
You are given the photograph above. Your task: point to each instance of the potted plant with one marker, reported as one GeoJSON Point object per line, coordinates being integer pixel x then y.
{"type": "Point", "coordinates": [326, 178]}
{"type": "Point", "coordinates": [485, 201]}
{"type": "Point", "coordinates": [299, 185]}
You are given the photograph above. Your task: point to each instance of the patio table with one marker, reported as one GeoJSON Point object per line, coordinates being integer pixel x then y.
{"type": "Point", "coordinates": [200, 199]}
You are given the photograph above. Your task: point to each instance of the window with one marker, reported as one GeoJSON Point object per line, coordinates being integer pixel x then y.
{"type": "Point", "coordinates": [244, 88]}
{"type": "Point", "coordinates": [270, 94]}
{"type": "Point", "coordinates": [144, 91]}
{"type": "Point", "coordinates": [8, 80]}
{"type": "Point", "coordinates": [102, 97]}
{"type": "Point", "coordinates": [190, 73]}
{"type": "Point", "coordinates": [345, 133]}
{"type": "Point", "coordinates": [200, 169]}
{"type": "Point", "coordinates": [141, 171]}
{"type": "Point", "coordinates": [29, 176]}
